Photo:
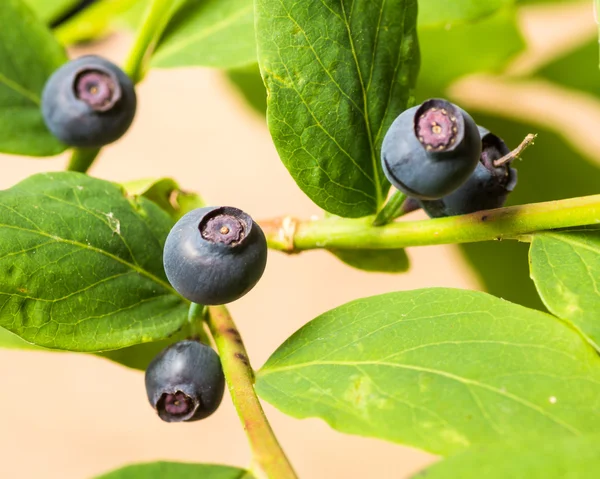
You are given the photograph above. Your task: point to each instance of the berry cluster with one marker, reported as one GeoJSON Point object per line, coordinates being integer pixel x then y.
{"type": "Point", "coordinates": [434, 152]}
{"type": "Point", "coordinates": [212, 256]}
{"type": "Point", "coordinates": [444, 162]}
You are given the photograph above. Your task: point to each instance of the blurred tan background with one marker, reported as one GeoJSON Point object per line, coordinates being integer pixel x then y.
{"type": "Point", "coordinates": [74, 416]}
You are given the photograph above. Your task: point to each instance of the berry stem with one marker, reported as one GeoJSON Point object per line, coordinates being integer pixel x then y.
{"type": "Point", "coordinates": [82, 159]}
{"type": "Point", "coordinates": [156, 19]}
{"type": "Point", "coordinates": [517, 151]}
{"type": "Point", "coordinates": [196, 317]}
{"type": "Point", "coordinates": [391, 210]}
{"type": "Point", "coordinates": [267, 453]}
{"type": "Point", "coordinates": [515, 222]}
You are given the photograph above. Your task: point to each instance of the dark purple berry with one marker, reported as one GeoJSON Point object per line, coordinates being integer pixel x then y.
{"type": "Point", "coordinates": [88, 102]}
{"type": "Point", "coordinates": [487, 188]}
{"type": "Point", "coordinates": [185, 382]}
{"type": "Point", "coordinates": [431, 149]}
{"type": "Point", "coordinates": [215, 255]}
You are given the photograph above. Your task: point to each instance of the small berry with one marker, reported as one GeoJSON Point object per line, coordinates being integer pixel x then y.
{"type": "Point", "coordinates": [431, 149]}
{"type": "Point", "coordinates": [487, 188]}
{"type": "Point", "coordinates": [88, 102]}
{"type": "Point", "coordinates": [215, 255]}
{"type": "Point", "coordinates": [185, 382]}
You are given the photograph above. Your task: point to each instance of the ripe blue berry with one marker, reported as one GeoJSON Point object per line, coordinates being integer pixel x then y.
{"type": "Point", "coordinates": [431, 149]}
{"type": "Point", "coordinates": [185, 382]}
{"type": "Point", "coordinates": [88, 102]}
{"type": "Point", "coordinates": [215, 255]}
{"type": "Point", "coordinates": [487, 188]}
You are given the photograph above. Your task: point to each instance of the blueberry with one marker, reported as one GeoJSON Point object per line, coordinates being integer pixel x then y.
{"type": "Point", "coordinates": [431, 149]}
{"type": "Point", "coordinates": [185, 382]}
{"type": "Point", "coordinates": [215, 255]}
{"type": "Point", "coordinates": [88, 102]}
{"type": "Point", "coordinates": [487, 188]}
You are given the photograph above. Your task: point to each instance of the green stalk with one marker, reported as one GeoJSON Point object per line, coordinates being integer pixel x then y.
{"type": "Point", "coordinates": [266, 451]}
{"type": "Point", "coordinates": [391, 210]}
{"type": "Point", "coordinates": [516, 222]}
{"type": "Point", "coordinates": [155, 21]}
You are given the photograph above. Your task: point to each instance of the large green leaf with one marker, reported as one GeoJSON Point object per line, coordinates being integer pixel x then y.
{"type": "Point", "coordinates": [550, 170]}
{"type": "Point", "coordinates": [214, 33]}
{"type": "Point", "coordinates": [450, 53]}
{"type": "Point", "coordinates": [174, 470]}
{"type": "Point", "coordinates": [81, 265]}
{"type": "Point", "coordinates": [28, 56]}
{"type": "Point", "coordinates": [444, 13]}
{"type": "Point", "coordinates": [549, 458]}
{"type": "Point", "coordinates": [337, 73]}
{"type": "Point", "coordinates": [566, 269]}
{"type": "Point", "coordinates": [48, 10]}
{"type": "Point", "coordinates": [438, 369]}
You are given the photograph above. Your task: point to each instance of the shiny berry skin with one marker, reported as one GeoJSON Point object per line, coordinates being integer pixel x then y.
{"type": "Point", "coordinates": [185, 382]}
{"type": "Point", "coordinates": [215, 255]}
{"type": "Point", "coordinates": [487, 188]}
{"type": "Point", "coordinates": [88, 102]}
{"type": "Point", "coordinates": [431, 149]}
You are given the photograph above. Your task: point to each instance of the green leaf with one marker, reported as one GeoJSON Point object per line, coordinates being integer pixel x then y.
{"type": "Point", "coordinates": [50, 10]}
{"type": "Point", "coordinates": [10, 340]}
{"type": "Point", "coordinates": [174, 470]}
{"type": "Point", "coordinates": [437, 369]}
{"type": "Point", "coordinates": [577, 69]}
{"type": "Point", "coordinates": [100, 18]}
{"type": "Point", "coordinates": [565, 267]}
{"type": "Point", "coordinates": [249, 83]}
{"type": "Point", "coordinates": [167, 194]}
{"type": "Point", "coordinates": [564, 458]}
{"type": "Point", "coordinates": [28, 56]}
{"type": "Point", "coordinates": [337, 73]}
{"type": "Point", "coordinates": [451, 53]}
{"type": "Point", "coordinates": [81, 265]}
{"type": "Point", "coordinates": [213, 33]}
{"type": "Point", "coordinates": [444, 13]}
{"type": "Point", "coordinates": [374, 260]}
{"type": "Point", "coordinates": [550, 170]}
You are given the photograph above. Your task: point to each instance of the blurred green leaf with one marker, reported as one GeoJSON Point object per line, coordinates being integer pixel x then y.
{"type": "Point", "coordinates": [443, 12]}
{"type": "Point", "coordinates": [98, 19]}
{"type": "Point", "coordinates": [459, 50]}
{"type": "Point", "coordinates": [578, 69]}
{"type": "Point", "coordinates": [48, 10]}
{"type": "Point", "coordinates": [81, 265]}
{"type": "Point", "coordinates": [249, 83]}
{"type": "Point", "coordinates": [29, 54]}
{"type": "Point", "coordinates": [167, 194]}
{"type": "Point", "coordinates": [213, 33]}
{"type": "Point", "coordinates": [10, 340]}
{"type": "Point", "coordinates": [332, 97]}
{"type": "Point", "coordinates": [549, 170]}
{"type": "Point", "coordinates": [174, 470]}
{"type": "Point", "coordinates": [566, 269]}
{"type": "Point", "coordinates": [438, 369]}
{"type": "Point", "coordinates": [375, 260]}
{"type": "Point", "coordinates": [549, 458]}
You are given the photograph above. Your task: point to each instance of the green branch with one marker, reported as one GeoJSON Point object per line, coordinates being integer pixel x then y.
{"type": "Point", "coordinates": [515, 222]}
{"type": "Point", "coordinates": [266, 451]}
{"type": "Point", "coordinates": [156, 19]}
